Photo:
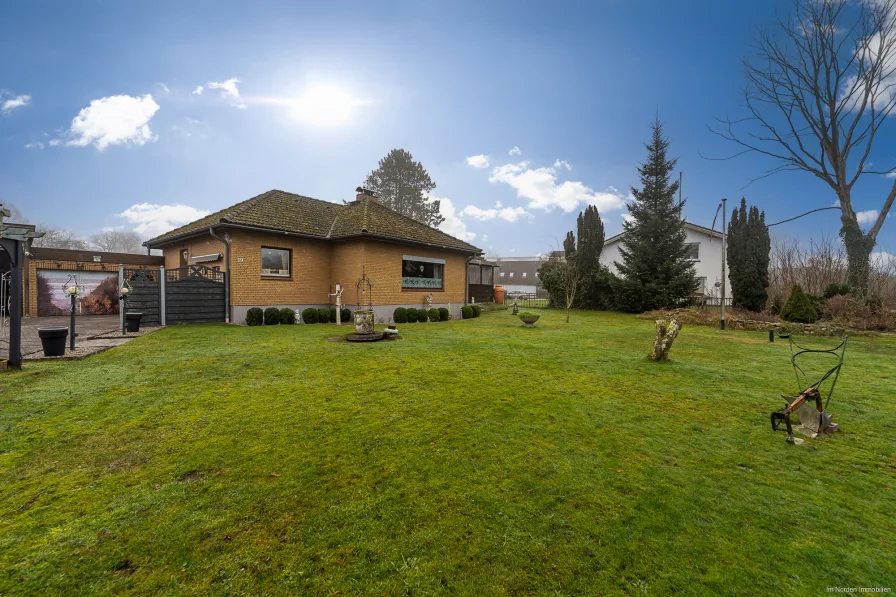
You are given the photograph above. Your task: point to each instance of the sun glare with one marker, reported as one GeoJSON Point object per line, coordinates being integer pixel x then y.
{"type": "Point", "coordinates": [324, 106]}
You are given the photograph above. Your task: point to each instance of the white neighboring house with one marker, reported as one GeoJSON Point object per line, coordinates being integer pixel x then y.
{"type": "Point", "coordinates": [706, 254]}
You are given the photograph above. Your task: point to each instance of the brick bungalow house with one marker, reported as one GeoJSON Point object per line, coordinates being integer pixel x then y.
{"type": "Point", "coordinates": [286, 250]}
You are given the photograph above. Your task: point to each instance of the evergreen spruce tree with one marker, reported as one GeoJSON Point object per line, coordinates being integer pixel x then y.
{"type": "Point", "coordinates": [749, 246]}
{"type": "Point", "coordinates": [590, 243]}
{"type": "Point", "coordinates": [655, 271]}
{"type": "Point", "coordinates": [404, 186]}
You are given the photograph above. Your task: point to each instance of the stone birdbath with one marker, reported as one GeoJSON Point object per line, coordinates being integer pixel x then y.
{"type": "Point", "coordinates": [529, 319]}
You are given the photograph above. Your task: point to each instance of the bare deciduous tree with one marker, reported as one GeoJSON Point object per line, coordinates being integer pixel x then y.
{"type": "Point", "coordinates": [59, 238]}
{"type": "Point", "coordinates": [820, 87]}
{"type": "Point", "coordinates": [573, 279]}
{"type": "Point", "coordinates": [117, 241]}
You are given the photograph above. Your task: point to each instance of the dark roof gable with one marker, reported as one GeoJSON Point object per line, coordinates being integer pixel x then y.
{"type": "Point", "coordinates": [279, 211]}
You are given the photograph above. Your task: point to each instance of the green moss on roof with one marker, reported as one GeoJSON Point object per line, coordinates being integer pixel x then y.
{"type": "Point", "coordinates": [279, 211]}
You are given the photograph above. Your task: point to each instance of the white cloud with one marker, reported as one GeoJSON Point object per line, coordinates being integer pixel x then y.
{"type": "Point", "coordinates": [198, 91]}
{"type": "Point", "coordinates": [562, 164]}
{"type": "Point", "coordinates": [514, 151]}
{"type": "Point", "coordinates": [151, 219]}
{"type": "Point", "coordinates": [163, 88]}
{"type": "Point", "coordinates": [882, 260]}
{"type": "Point", "coordinates": [891, 174]}
{"type": "Point", "coordinates": [229, 91]}
{"type": "Point", "coordinates": [510, 214]}
{"type": "Point", "coordinates": [35, 145]}
{"type": "Point", "coordinates": [452, 225]}
{"type": "Point", "coordinates": [541, 188]}
{"type": "Point", "coordinates": [478, 161]}
{"type": "Point", "coordinates": [866, 217]}
{"type": "Point", "coordinates": [498, 204]}
{"type": "Point", "coordinates": [114, 120]}
{"type": "Point", "coordinates": [16, 101]}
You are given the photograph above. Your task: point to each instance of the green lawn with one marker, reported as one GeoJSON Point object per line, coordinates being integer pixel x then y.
{"type": "Point", "coordinates": [471, 457]}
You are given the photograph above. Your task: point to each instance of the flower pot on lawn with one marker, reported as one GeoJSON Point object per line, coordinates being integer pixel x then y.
{"type": "Point", "coordinates": [133, 321]}
{"type": "Point", "coordinates": [53, 340]}
{"type": "Point", "coordinates": [529, 319]}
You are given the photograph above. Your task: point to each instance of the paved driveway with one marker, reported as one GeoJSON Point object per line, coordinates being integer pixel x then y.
{"type": "Point", "coordinates": [85, 326]}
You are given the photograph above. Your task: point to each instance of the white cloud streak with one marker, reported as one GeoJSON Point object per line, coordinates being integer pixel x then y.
{"type": "Point", "coordinates": [198, 91]}
{"type": "Point", "coordinates": [866, 217]}
{"type": "Point", "coordinates": [508, 214]}
{"type": "Point", "coordinates": [542, 189]}
{"type": "Point", "coordinates": [452, 224]}
{"type": "Point", "coordinates": [16, 101]}
{"type": "Point", "coordinates": [478, 161]}
{"type": "Point", "coordinates": [35, 145]}
{"type": "Point", "coordinates": [514, 151]}
{"type": "Point", "coordinates": [114, 120]}
{"type": "Point", "coordinates": [229, 91]}
{"type": "Point", "coordinates": [151, 219]}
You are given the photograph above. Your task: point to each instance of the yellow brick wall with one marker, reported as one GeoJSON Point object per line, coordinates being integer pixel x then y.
{"type": "Point", "coordinates": [383, 266]}
{"type": "Point", "coordinates": [201, 245]}
{"type": "Point", "coordinates": [310, 267]}
{"type": "Point", "coordinates": [74, 266]}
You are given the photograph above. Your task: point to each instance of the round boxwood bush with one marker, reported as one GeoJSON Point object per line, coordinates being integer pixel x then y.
{"type": "Point", "coordinates": [477, 310]}
{"type": "Point", "coordinates": [271, 316]}
{"type": "Point", "coordinates": [466, 312]}
{"type": "Point", "coordinates": [412, 315]}
{"type": "Point", "coordinates": [254, 316]}
{"type": "Point", "coordinates": [798, 307]}
{"type": "Point", "coordinates": [287, 316]}
{"type": "Point", "coordinates": [346, 314]}
{"type": "Point", "coordinates": [400, 315]}
{"type": "Point", "coordinates": [444, 314]}
{"type": "Point", "coordinates": [835, 289]}
{"type": "Point", "coordinates": [433, 314]}
{"type": "Point", "coordinates": [309, 315]}
{"type": "Point", "coordinates": [323, 315]}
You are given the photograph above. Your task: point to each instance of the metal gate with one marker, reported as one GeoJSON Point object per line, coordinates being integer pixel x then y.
{"type": "Point", "coordinates": [194, 294]}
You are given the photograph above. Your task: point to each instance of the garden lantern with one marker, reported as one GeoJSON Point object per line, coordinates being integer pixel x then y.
{"type": "Point", "coordinates": [123, 298]}
{"type": "Point", "coordinates": [73, 289]}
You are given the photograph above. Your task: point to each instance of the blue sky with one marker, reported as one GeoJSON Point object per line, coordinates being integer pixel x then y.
{"type": "Point", "coordinates": [113, 133]}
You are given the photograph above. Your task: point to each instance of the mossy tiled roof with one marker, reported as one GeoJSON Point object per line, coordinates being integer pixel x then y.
{"type": "Point", "coordinates": [279, 211]}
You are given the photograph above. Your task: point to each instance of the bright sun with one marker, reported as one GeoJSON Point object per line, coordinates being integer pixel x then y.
{"type": "Point", "coordinates": [324, 106]}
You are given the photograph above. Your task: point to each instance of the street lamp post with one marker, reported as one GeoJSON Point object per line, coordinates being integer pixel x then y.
{"type": "Point", "coordinates": [73, 294]}
{"type": "Point", "coordinates": [125, 291]}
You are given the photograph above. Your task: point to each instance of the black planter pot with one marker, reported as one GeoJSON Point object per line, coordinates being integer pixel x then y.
{"type": "Point", "coordinates": [133, 321]}
{"type": "Point", "coordinates": [53, 340]}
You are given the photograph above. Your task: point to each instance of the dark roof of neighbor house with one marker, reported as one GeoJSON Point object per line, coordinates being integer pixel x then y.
{"type": "Point", "coordinates": [52, 254]}
{"type": "Point", "coordinates": [694, 227]}
{"type": "Point", "coordinates": [279, 211]}
{"type": "Point", "coordinates": [519, 266]}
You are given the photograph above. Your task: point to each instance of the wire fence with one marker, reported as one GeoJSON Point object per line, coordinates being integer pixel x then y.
{"type": "Point", "coordinates": [526, 300]}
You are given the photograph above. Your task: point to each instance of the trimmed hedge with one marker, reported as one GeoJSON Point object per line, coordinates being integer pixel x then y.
{"type": "Point", "coordinates": [412, 315]}
{"type": "Point", "coordinates": [287, 316]}
{"type": "Point", "coordinates": [309, 315]}
{"type": "Point", "coordinates": [400, 315]}
{"type": "Point", "coordinates": [477, 310]}
{"type": "Point", "coordinates": [254, 316]}
{"type": "Point", "coordinates": [272, 316]}
{"type": "Point", "coordinates": [323, 315]}
{"type": "Point", "coordinates": [466, 312]}
{"type": "Point", "coordinates": [444, 314]}
{"type": "Point", "coordinates": [346, 314]}
{"type": "Point", "coordinates": [799, 308]}
{"type": "Point", "coordinates": [332, 314]}
{"type": "Point", "coordinates": [434, 315]}
{"type": "Point", "coordinates": [422, 315]}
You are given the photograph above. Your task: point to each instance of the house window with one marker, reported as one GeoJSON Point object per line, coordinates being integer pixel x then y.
{"type": "Point", "coordinates": [421, 272]}
{"type": "Point", "coordinates": [701, 284]}
{"type": "Point", "coordinates": [693, 251]}
{"type": "Point", "coordinates": [502, 274]}
{"type": "Point", "coordinates": [511, 274]}
{"type": "Point", "coordinates": [275, 262]}
{"type": "Point", "coordinates": [524, 274]}
{"type": "Point", "coordinates": [488, 275]}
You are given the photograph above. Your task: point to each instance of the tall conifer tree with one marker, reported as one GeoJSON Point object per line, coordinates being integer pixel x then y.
{"type": "Point", "coordinates": [655, 271]}
{"type": "Point", "coordinates": [749, 246]}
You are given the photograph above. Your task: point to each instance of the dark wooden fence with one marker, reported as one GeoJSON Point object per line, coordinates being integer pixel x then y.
{"type": "Point", "coordinates": [194, 294]}
{"type": "Point", "coordinates": [145, 294]}
{"type": "Point", "coordinates": [526, 300]}
{"type": "Point", "coordinates": [482, 293]}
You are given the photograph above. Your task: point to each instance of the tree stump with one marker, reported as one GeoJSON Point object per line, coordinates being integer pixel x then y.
{"type": "Point", "coordinates": [666, 332]}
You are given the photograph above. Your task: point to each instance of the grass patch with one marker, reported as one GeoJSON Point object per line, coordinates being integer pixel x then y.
{"type": "Point", "coordinates": [473, 457]}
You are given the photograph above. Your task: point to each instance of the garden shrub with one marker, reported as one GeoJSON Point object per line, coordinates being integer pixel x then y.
{"type": "Point", "coordinates": [309, 315]}
{"type": "Point", "coordinates": [254, 316]}
{"type": "Point", "coordinates": [817, 302]}
{"type": "Point", "coordinates": [271, 316]}
{"type": "Point", "coordinates": [835, 289]}
{"type": "Point", "coordinates": [412, 315]}
{"type": "Point", "coordinates": [332, 314]}
{"type": "Point", "coordinates": [346, 314]}
{"type": "Point", "coordinates": [287, 316]}
{"type": "Point", "coordinates": [400, 315]}
{"type": "Point", "coordinates": [466, 312]}
{"type": "Point", "coordinates": [323, 315]}
{"type": "Point", "coordinates": [798, 307]}
{"type": "Point", "coordinates": [444, 314]}
{"type": "Point", "coordinates": [477, 310]}
{"type": "Point", "coordinates": [433, 314]}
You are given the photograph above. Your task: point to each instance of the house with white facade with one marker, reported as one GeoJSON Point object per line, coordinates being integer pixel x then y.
{"type": "Point", "coordinates": [705, 252]}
